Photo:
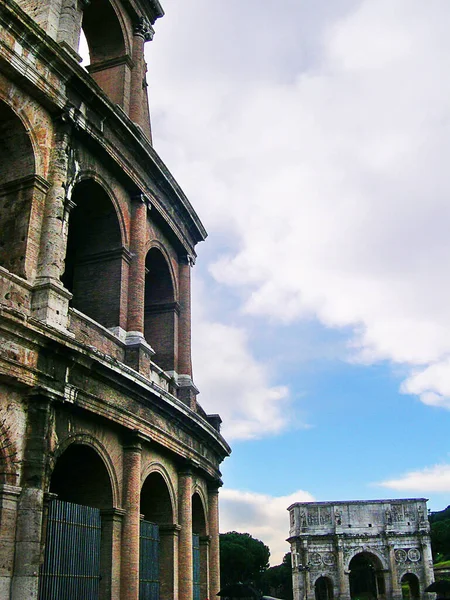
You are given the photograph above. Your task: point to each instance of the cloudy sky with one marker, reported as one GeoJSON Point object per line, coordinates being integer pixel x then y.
{"type": "Point", "coordinates": [313, 139]}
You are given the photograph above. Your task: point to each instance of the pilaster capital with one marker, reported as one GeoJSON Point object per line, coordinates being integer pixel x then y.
{"type": "Point", "coordinates": [140, 197]}
{"type": "Point", "coordinates": [133, 441]}
{"type": "Point", "coordinates": [144, 29]}
{"type": "Point", "coordinates": [214, 486]}
{"type": "Point", "coordinates": [187, 259]}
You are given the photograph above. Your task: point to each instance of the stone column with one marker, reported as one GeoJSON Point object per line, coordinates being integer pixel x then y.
{"type": "Point", "coordinates": [129, 568]}
{"type": "Point", "coordinates": [427, 558]}
{"type": "Point", "coordinates": [9, 497]}
{"type": "Point", "coordinates": [143, 32]}
{"type": "Point", "coordinates": [396, 588]}
{"type": "Point", "coordinates": [50, 299]}
{"type": "Point", "coordinates": [185, 562]}
{"type": "Point", "coordinates": [214, 550]}
{"type": "Point", "coordinates": [30, 507]}
{"type": "Point", "coordinates": [344, 583]}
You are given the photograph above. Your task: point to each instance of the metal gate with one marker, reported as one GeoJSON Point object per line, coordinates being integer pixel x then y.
{"type": "Point", "coordinates": [196, 566]}
{"type": "Point", "coordinates": [149, 561]}
{"type": "Point", "coordinates": [71, 566]}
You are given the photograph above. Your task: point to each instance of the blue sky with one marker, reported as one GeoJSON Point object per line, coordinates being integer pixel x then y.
{"type": "Point", "coordinates": [313, 139]}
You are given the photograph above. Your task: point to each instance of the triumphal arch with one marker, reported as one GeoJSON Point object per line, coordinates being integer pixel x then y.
{"type": "Point", "coordinates": [369, 550]}
{"type": "Point", "coordinates": [109, 466]}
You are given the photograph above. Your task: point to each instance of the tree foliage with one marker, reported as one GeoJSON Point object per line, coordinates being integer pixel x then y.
{"type": "Point", "coordinates": [242, 559]}
{"type": "Point", "coordinates": [440, 534]}
{"type": "Point", "coordinates": [277, 581]}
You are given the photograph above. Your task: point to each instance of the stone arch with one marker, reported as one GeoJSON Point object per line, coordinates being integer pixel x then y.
{"type": "Point", "coordinates": [22, 194]}
{"type": "Point", "coordinates": [90, 441]}
{"type": "Point", "coordinates": [96, 265]}
{"type": "Point", "coordinates": [366, 576]}
{"type": "Point", "coordinates": [323, 588]}
{"type": "Point", "coordinates": [200, 544]}
{"type": "Point", "coordinates": [156, 467]}
{"type": "Point", "coordinates": [109, 47]}
{"type": "Point", "coordinates": [161, 308]}
{"type": "Point", "coordinates": [158, 533]}
{"type": "Point", "coordinates": [199, 493]}
{"type": "Point", "coordinates": [39, 132]}
{"type": "Point", "coordinates": [80, 483]}
{"type": "Point", "coordinates": [410, 586]}
{"type": "Point", "coordinates": [86, 174]}
{"type": "Point", "coordinates": [8, 457]}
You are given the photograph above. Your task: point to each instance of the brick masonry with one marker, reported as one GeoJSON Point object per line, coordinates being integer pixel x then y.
{"type": "Point", "coordinates": [97, 402]}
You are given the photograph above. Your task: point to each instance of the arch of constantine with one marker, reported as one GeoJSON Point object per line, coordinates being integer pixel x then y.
{"type": "Point", "coordinates": [368, 550]}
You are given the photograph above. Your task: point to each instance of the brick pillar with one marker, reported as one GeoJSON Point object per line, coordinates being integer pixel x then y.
{"type": "Point", "coordinates": [168, 560]}
{"type": "Point", "coordinates": [30, 508]}
{"type": "Point", "coordinates": [184, 320]}
{"type": "Point", "coordinates": [138, 351]}
{"type": "Point", "coordinates": [205, 574]}
{"type": "Point", "coordinates": [187, 392]}
{"type": "Point", "coordinates": [129, 569]}
{"type": "Point", "coordinates": [214, 550]}
{"type": "Point", "coordinates": [185, 563]}
{"type": "Point", "coordinates": [110, 552]}
{"type": "Point", "coordinates": [136, 285]}
{"type": "Point", "coordinates": [50, 299]}
{"type": "Point", "coordinates": [143, 32]}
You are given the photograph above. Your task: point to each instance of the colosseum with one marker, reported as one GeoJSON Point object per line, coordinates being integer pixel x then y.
{"type": "Point", "coordinates": [109, 467]}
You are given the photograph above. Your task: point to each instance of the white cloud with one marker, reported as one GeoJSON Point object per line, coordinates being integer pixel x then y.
{"type": "Point", "coordinates": [265, 517]}
{"type": "Point", "coordinates": [425, 481]}
{"type": "Point", "coordinates": [231, 380]}
{"type": "Point", "coordinates": [330, 180]}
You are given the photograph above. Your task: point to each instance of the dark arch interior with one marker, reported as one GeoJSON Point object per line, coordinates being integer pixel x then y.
{"type": "Point", "coordinates": [93, 269]}
{"type": "Point", "coordinates": [366, 577]}
{"type": "Point", "coordinates": [410, 587]}
{"type": "Point", "coordinates": [323, 588]}
{"type": "Point", "coordinates": [17, 166]}
{"type": "Point", "coordinates": [103, 31]}
{"type": "Point", "coordinates": [198, 516]}
{"type": "Point", "coordinates": [80, 476]}
{"type": "Point", "coordinates": [156, 505]}
{"type": "Point", "coordinates": [160, 310]}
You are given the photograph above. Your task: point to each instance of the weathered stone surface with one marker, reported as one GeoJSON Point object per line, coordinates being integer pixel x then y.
{"type": "Point", "coordinates": [331, 541]}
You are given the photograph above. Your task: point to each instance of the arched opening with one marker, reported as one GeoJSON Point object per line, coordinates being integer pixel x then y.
{"type": "Point", "coordinates": [157, 541]}
{"type": "Point", "coordinates": [410, 587]}
{"type": "Point", "coordinates": [19, 241]}
{"type": "Point", "coordinates": [109, 63]}
{"type": "Point", "coordinates": [161, 313]}
{"type": "Point", "coordinates": [200, 547]}
{"type": "Point", "coordinates": [323, 588]}
{"type": "Point", "coordinates": [366, 577]}
{"type": "Point", "coordinates": [78, 544]}
{"type": "Point", "coordinates": [95, 257]}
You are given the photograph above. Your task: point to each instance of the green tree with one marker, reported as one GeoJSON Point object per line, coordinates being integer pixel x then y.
{"type": "Point", "coordinates": [277, 581]}
{"type": "Point", "coordinates": [242, 559]}
{"type": "Point", "coordinates": [440, 534]}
